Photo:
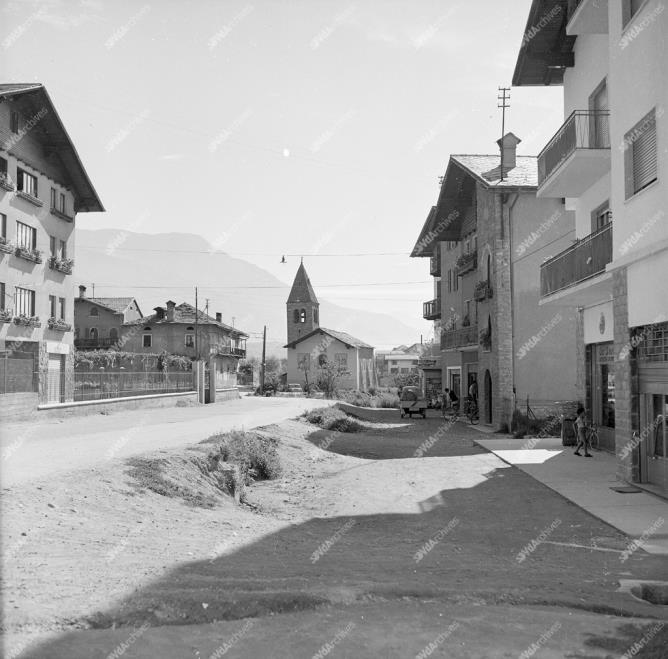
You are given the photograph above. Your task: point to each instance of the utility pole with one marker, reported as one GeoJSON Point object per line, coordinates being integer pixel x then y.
{"type": "Point", "coordinates": [196, 328]}
{"type": "Point", "coordinates": [504, 97]}
{"type": "Point", "coordinates": [206, 308]}
{"type": "Point", "coordinates": [93, 285]}
{"type": "Point", "coordinates": [264, 355]}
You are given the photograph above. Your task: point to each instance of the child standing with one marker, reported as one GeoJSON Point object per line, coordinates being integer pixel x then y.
{"type": "Point", "coordinates": [581, 429]}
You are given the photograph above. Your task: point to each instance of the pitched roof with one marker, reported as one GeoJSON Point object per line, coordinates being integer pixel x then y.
{"type": "Point", "coordinates": [302, 291]}
{"type": "Point", "coordinates": [487, 168]}
{"type": "Point", "coordinates": [344, 337]}
{"type": "Point", "coordinates": [116, 304]}
{"type": "Point", "coordinates": [36, 99]}
{"type": "Point", "coordinates": [184, 313]}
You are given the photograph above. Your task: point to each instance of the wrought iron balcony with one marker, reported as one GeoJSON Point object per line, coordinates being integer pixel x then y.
{"type": "Point", "coordinates": [435, 266]}
{"type": "Point", "coordinates": [459, 338]}
{"type": "Point", "coordinates": [581, 261]}
{"type": "Point", "coordinates": [577, 156]}
{"type": "Point", "coordinates": [432, 310]}
{"type": "Point", "coordinates": [466, 263]}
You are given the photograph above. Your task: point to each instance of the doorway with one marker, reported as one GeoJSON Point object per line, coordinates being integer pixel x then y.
{"type": "Point", "coordinates": [488, 397]}
{"type": "Point", "coordinates": [655, 432]}
{"type": "Point", "coordinates": [55, 372]}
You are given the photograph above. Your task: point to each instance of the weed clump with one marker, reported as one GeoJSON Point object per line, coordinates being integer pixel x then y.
{"type": "Point", "coordinates": [332, 418]}
{"type": "Point", "coordinates": [256, 456]}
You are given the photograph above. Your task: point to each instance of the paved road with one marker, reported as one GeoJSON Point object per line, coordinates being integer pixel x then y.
{"type": "Point", "coordinates": [35, 450]}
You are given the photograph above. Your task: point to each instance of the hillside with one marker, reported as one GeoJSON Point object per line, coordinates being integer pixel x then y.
{"type": "Point", "coordinates": [155, 268]}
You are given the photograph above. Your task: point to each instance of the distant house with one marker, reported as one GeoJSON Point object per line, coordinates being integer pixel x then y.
{"type": "Point", "coordinates": [98, 320]}
{"type": "Point", "coordinates": [180, 330]}
{"type": "Point", "coordinates": [402, 363]}
{"type": "Point", "coordinates": [310, 346]}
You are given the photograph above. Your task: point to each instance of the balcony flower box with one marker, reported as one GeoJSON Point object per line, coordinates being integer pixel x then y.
{"type": "Point", "coordinates": [58, 325]}
{"type": "Point", "coordinates": [483, 290]}
{"type": "Point", "coordinates": [466, 263]}
{"type": "Point", "coordinates": [485, 340]}
{"type": "Point", "coordinates": [5, 316]}
{"type": "Point", "coordinates": [6, 246]}
{"type": "Point", "coordinates": [6, 183]}
{"type": "Point", "coordinates": [61, 265]}
{"type": "Point", "coordinates": [28, 197]}
{"type": "Point", "coordinates": [33, 255]}
{"type": "Point", "coordinates": [27, 321]}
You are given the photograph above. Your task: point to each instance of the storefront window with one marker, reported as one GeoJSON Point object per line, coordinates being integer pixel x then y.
{"type": "Point", "coordinates": [607, 396]}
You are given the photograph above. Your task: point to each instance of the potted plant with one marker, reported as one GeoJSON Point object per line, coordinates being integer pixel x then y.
{"type": "Point", "coordinates": [62, 265]}
{"type": "Point", "coordinates": [58, 324]}
{"type": "Point", "coordinates": [30, 254]}
{"type": "Point", "coordinates": [5, 316]}
{"type": "Point", "coordinates": [27, 321]}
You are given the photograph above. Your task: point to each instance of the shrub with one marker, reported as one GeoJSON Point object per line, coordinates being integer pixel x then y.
{"type": "Point", "coordinates": [257, 456]}
{"type": "Point", "coordinates": [549, 426]}
{"type": "Point", "coordinates": [387, 400]}
{"type": "Point", "coordinates": [332, 418]}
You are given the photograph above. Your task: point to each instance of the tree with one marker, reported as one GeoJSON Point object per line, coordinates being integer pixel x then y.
{"type": "Point", "coordinates": [328, 376]}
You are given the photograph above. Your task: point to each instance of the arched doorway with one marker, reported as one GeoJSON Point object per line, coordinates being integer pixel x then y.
{"type": "Point", "coordinates": [488, 397]}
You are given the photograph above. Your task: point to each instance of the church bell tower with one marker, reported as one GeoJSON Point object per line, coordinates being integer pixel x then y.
{"type": "Point", "coordinates": [303, 308]}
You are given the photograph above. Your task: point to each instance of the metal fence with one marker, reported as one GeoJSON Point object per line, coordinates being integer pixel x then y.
{"type": "Point", "coordinates": [120, 384]}
{"type": "Point", "coordinates": [17, 372]}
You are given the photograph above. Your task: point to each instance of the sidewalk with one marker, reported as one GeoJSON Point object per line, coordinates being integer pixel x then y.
{"type": "Point", "coordinates": [587, 483]}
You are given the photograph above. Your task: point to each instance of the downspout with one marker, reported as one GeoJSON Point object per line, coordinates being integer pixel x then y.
{"type": "Point", "coordinates": [516, 196]}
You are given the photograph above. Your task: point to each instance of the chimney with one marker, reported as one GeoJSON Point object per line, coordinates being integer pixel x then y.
{"type": "Point", "coordinates": [170, 311]}
{"type": "Point", "coordinates": [159, 312]}
{"type": "Point", "coordinates": [82, 291]}
{"type": "Point", "coordinates": [508, 146]}
{"type": "Point", "coordinates": [219, 317]}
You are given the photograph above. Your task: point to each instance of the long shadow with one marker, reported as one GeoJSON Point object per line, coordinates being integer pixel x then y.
{"type": "Point", "coordinates": [462, 546]}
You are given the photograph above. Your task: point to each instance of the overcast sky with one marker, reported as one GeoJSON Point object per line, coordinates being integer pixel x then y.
{"type": "Point", "coordinates": [275, 128]}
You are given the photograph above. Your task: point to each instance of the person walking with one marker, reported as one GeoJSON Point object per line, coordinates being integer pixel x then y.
{"type": "Point", "coordinates": [581, 429]}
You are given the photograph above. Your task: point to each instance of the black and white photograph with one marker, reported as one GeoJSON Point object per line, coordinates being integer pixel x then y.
{"type": "Point", "coordinates": [333, 329]}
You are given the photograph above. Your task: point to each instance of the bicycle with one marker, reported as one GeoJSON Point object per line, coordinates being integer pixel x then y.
{"type": "Point", "coordinates": [471, 410]}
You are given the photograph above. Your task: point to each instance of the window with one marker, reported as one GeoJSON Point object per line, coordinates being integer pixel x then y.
{"type": "Point", "coordinates": [52, 245]}
{"type": "Point", "coordinates": [27, 183]}
{"type": "Point", "coordinates": [640, 157]}
{"type": "Point", "coordinates": [147, 340]}
{"type": "Point", "coordinates": [629, 9]}
{"type": "Point", "coordinates": [455, 282]}
{"type": "Point", "coordinates": [26, 236]}
{"type": "Point", "coordinates": [24, 302]}
{"type": "Point", "coordinates": [53, 197]}
{"type": "Point", "coordinates": [57, 200]}
{"type": "Point", "coordinates": [52, 306]}
{"type": "Point", "coordinates": [449, 281]}
{"type": "Point", "coordinates": [315, 315]}
{"type": "Point", "coordinates": [61, 308]}
{"type": "Point", "coordinates": [14, 121]}
{"type": "Point", "coordinates": [601, 216]}
{"type": "Point", "coordinates": [3, 169]}
{"type": "Point", "coordinates": [322, 359]}
{"type": "Point", "coordinates": [3, 225]}
{"type": "Point", "coordinates": [190, 340]}
{"type": "Point", "coordinates": [302, 316]}
{"type": "Point", "coordinates": [92, 333]}
{"type": "Point", "coordinates": [295, 316]}
{"type": "Point", "coordinates": [62, 249]}
{"type": "Point", "coordinates": [2, 296]}
{"type": "Point", "coordinates": [94, 312]}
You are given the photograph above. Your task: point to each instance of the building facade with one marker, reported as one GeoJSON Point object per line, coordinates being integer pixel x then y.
{"type": "Point", "coordinates": [98, 320]}
{"type": "Point", "coordinates": [485, 239]}
{"type": "Point", "coordinates": [181, 330]}
{"type": "Point", "coordinates": [43, 186]}
{"type": "Point", "coordinates": [311, 346]}
{"type": "Point", "coordinates": [609, 160]}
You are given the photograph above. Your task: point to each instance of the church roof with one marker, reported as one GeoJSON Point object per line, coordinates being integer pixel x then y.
{"type": "Point", "coordinates": [345, 338]}
{"type": "Point", "coordinates": [302, 291]}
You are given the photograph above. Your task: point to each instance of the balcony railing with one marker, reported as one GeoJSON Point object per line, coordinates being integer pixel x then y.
{"type": "Point", "coordinates": [94, 344]}
{"type": "Point", "coordinates": [581, 261]}
{"type": "Point", "coordinates": [459, 338]}
{"type": "Point", "coordinates": [482, 291]}
{"type": "Point", "coordinates": [582, 130]}
{"type": "Point", "coordinates": [466, 263]}
{"type": "Point", "coordinates": [435, 266]}
{"type": "Point", "coordinates": [432, 310]}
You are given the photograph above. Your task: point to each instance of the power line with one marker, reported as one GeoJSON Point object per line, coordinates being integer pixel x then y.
{"type": "Point", "coordinates": [282, 286]}
{"type": "Point", "coordinates": [222, 253]}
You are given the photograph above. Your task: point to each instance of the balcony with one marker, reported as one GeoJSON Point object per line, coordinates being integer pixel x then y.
{"type": "Point", "coordinates": [58, 325]}
{"type": "Point", "coordinates": [587, 17]}
{"type": "Point", "coordinates": [580, 262]}
{"type": "Point", "coordinates": [29, 254]}
{"type": "Point", "coordinates": [435, 266]}
{"type": "Point", "coordinates": [483, 291]}
{"type": "Point", "coordinates": [94, 344]}
{"type": "Point", "coordinates": [432, 310]}
{"type": "Point", "coordinates": [61, 265]}
{"type": "Point", "coordinates": [6, 183]}
{"type": "Point", "coordinates": [460, 338]}
{"type": "Point", "coordinates": [6, 246]}
{"type": "Point", "coordinates": [577, 156]}
{"type": "Point", "coordinates": [466, 263]}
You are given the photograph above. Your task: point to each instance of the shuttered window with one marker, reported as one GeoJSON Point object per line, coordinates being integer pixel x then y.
{"type": "Point", "coordinates": [641, 155]}
{"type": "Point", "coordinates": [24, 302]}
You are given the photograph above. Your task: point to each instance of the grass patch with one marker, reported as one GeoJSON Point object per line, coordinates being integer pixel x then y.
{"type": "Point", "coordinates": [540, 427]}
{"type": "Point", "coordinates": [374, 398]}
{"type": "Point", "coordinates": [332, 418]}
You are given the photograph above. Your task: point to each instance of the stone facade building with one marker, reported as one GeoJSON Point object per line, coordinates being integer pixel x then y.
{"type": "Point", "coordinates": [43, 186]}
{"type": "Point", "coordinates": [486, 238]}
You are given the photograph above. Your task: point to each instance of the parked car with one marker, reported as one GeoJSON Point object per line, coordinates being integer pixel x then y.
{"type": "Point", "coordinates": [412, 402]}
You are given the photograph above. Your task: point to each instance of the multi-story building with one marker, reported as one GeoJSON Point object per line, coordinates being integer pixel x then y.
{"type": "Point", "coordinates": [182, 330]}
{"type": "Point", "coordinates": [486, 237]}
{"type": "Point", "coordinates": [609, 160]}
{"type": "Point", "coordinates": [43, 186]}
{"type": "Point", "coordinates": [98, 320]}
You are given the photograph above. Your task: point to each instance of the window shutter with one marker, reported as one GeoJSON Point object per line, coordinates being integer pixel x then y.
{"type": "Point", "coordinates": [644, 156]}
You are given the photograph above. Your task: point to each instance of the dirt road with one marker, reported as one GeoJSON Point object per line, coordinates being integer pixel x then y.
{"type": "Point", "coordinates": [350, 554]}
